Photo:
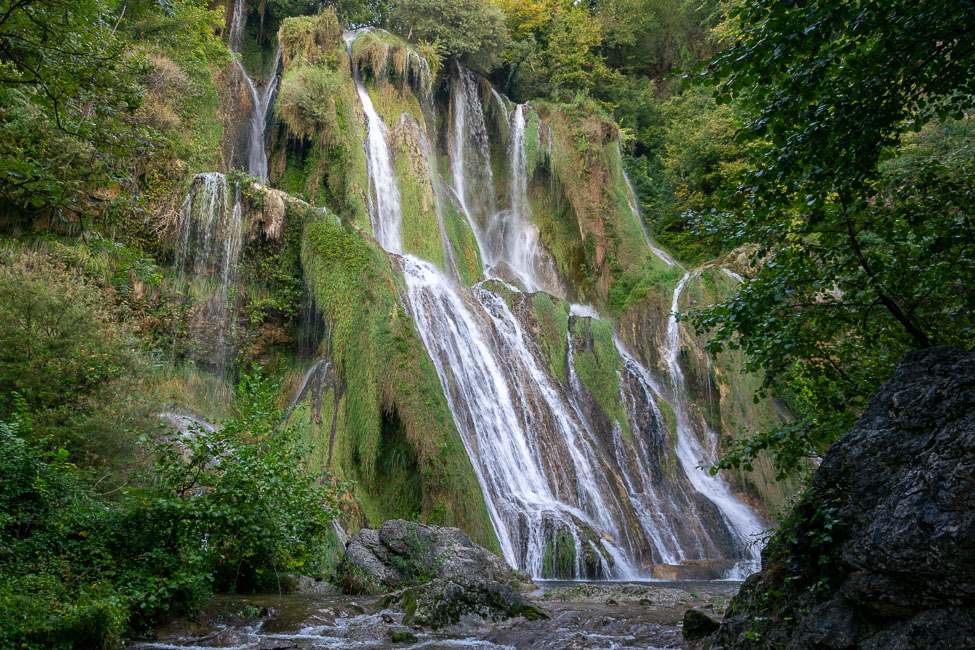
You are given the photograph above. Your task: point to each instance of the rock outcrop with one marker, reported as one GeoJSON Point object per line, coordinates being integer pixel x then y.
{"type": "Point", "coordinates": [445, 601]}
{"type": "Point", "coordinates": [879, 552]}
{"type": "Point", "coordinates": [404, 553]}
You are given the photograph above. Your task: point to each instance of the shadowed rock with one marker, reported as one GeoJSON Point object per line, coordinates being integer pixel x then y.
{"type": "Point", "coordinates": [697, 625]}
{"type": "Point", "coordinates": [445, 601]}
{"type": "Point", "coordinates": [403, 553]}
{"type": "Point", "coordinates": [879, 552]}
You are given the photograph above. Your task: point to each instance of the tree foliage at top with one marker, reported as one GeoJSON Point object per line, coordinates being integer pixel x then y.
{"type": "Point", "coordinates": [863, 252]}
{"type": "Point", "coordinates": [472, 31]}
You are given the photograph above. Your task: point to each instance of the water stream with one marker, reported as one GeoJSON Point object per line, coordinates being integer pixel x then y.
{"type": "Point", "coordinates": [384, 197]}
{"type": "Point", "coordinates": [262, 100]}
{"type": "Point", "coordinates": [209, 243]}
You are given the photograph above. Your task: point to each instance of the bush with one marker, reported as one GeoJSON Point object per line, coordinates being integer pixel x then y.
{"type": "Point", "coordinates": [65, 348]}
{"type": "Point", "coordinates": [472, 31]}
{"type": "Point", "coordinates": [229, 509]}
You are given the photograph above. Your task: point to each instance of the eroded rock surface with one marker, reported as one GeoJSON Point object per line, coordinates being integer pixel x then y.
{"type": "Point", "coordinates": [881, 552]}
{"type": "Point", "coordinates": [445, 601]}
{"type": "Point", "coordinates": [403, 553]}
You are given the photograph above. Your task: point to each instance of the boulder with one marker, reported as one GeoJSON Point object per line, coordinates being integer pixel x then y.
{"type": "Point", "coordinates": [403, 553]}
{"type": "Point", "coordinates": [445, 601]}
{"type": "Point", "coordinates": [879, 552]}
{"type": "Point", "coordinates": [697, 625]}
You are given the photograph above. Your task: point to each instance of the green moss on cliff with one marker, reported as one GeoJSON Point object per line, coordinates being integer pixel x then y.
{"type": "Point", "coordinates": [725, 392]}
{"type": "Point", "coordinates": [463, 243]}
{"type": "Point", "coordinates": [393, 400]}
{"type": "Point", "coordinates": [552, 316]}
{"type": "Point", "coordinates": [316, 145]}
{"type": "Point", "coordinates": [597, 363]}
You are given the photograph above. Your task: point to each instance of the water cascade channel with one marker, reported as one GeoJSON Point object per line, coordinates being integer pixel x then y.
{"type": "Point", "coordinates": [569, 493]}
{"type": "Point", "coordinates": [261, 100]}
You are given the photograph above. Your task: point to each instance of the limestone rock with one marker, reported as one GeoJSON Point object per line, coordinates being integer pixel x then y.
{"type": "Point", "coordinates": [445, 601]}
{"type": "Point", "coordinates": [883, 553]}
{"type": "Point", "coordinates": [402, 553]}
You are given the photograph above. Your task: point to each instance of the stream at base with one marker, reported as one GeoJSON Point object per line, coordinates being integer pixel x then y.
{"type": "Point", "coordinates": [584, 615]}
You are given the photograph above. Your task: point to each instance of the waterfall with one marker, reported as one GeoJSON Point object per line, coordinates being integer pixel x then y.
{"type": "Point", "coordinates": [256, 150]}
{"type": "Point", "coordinates": [511, 237]}
{"type": "Point", "coordinates": [568, 491]}
{"type": "Point", "coordinates": [470, 156]}
{"type": "Point", "coordinates": [502, 399]}
{"type": "Point", "coordinates": [631, 198]}
{"type": "Point", "coordinates": [689, 450]}
{"type": "Point", "coordinates": [384, 199]}
{"type": "Point", "coordinates": [209, 244]}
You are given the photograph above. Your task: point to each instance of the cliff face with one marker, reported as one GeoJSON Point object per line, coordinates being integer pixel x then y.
{"type": "Point", "coordinates": [424, 181]}
{"type": "Point", "coordinates": [881, 557]}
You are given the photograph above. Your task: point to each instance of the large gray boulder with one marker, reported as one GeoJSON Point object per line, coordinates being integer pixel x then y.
{"type": "Point", "coordinates": [403, 553]}
{"type": "Point", "coordinates": [880, 553]}
{"type": "Point", "coordinates": [445, 601]}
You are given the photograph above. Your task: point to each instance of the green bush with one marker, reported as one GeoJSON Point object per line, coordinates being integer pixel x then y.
{"type": "Point", "coordinates": [65, 348]}
{"type": "Point", "coordinates": [230, 509]}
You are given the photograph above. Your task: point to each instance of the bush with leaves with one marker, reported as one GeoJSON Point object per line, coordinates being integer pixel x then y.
{"type": "Point", "coordinates": [859, 257]}
{"type": "Point", "coordinates": [228, 509]}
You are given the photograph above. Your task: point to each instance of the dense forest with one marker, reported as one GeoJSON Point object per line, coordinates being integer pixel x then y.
{"type": "Point", "coordinates": [811, 165]}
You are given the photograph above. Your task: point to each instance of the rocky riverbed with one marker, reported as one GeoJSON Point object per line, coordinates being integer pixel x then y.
{"type": "Point", "coordinates": [581, 616]}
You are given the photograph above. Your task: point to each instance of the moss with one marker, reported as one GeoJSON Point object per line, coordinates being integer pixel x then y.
{"type": "Point", "coordinates": [552, 316]}
{"type": "Point", "coordinates": [396, 436]}
{"type": "Point", "coordinates": [316, 148]}
{"type": "Point", "coordinates": [581, 204]}
{"type": "Point", "coordinates": [463, 244]}
{"type": "Point", "coordinates": [559, 560]}
{"type": "Point", "coordinates": [420, 226]}
{"type": "Point", "coordinates": [597, 363]}
{"type": "Point", "coordinates": [310, 40]}
{"type": "Point", "coordinates": [726, 394]}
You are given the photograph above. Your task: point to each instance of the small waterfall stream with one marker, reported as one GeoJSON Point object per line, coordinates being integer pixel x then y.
{"type": "Point", "coordinates": [262, 101]}
{"type": "Point", "coordinates": [209, 244]}
{"type": "Point", "coordinates": [384, 198]}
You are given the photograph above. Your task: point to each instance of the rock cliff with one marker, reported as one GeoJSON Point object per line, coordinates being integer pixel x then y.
{"type": "Point", "coordinates": [879, 552]}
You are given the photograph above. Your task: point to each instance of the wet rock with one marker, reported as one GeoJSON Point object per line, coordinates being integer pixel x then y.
{"type": "Point", "coordinates": [403, 553]}
{"type": "Point", "coordinates": [879, 552]}
{"type": "Point", "coordinates": [694, 570]}
{"type": "Point", "coordinates": [445, 601]}
{"type": "Point", "coordinates": [697, 625]}
{"type": "Point", "coordinates": [277, 644]}
{"type": "Point", "coordinates": [402, 636]}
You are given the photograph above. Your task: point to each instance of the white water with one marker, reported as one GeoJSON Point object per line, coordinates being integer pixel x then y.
{"type": "Point", "coordinates": [210, 241]}
{"type": "Point", "coordinates": [690, 452]}
{"type": "Point", "coordinates": [262, 101]}
{"type": "Point", "coordinates": [495, 419]}
{"type": "Point", "coordinates": [470, 156]}
{"type": "Point", "coordinates": [511, 237]}
{"type": "Point", "coordinates": [384, 201]}
{"type": "Point", "coordinates": [547, 464]}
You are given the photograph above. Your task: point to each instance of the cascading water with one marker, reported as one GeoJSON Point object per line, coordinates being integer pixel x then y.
{"type": "Point", "coordinates": [570, 494]}
{"type": "Point", "coordinates": [470, 156]}
{"type": "Point", "coordinates": [690, 452]}
{"type": "Point", "coordinates": [384, 198]}
{"type": "Point", "coordinates": [511, 236]}
{"type": "Point", "coordinates": [210, 240]}
{"type": "Point", "coordinates": [262, 101]}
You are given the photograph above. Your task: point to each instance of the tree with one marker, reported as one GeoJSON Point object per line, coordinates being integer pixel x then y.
{"type": "Point", "coordinates": [858, 258]}
{"type": "Point", "coordinates": [67, 84]}
{"type": "Point", "coordinates": [472, 31]}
